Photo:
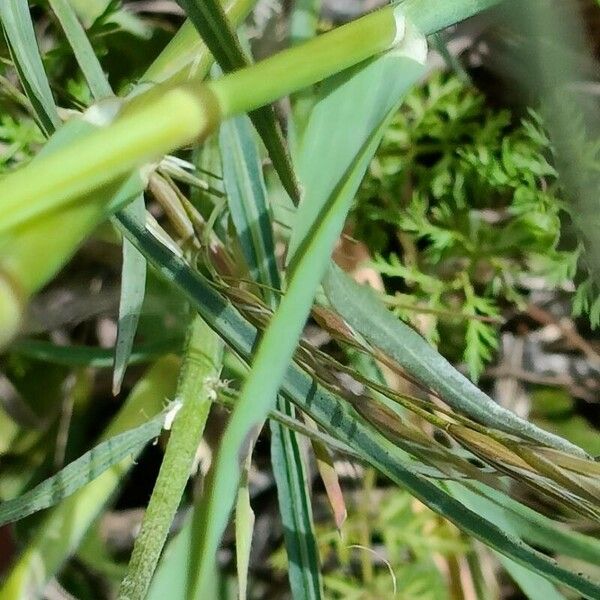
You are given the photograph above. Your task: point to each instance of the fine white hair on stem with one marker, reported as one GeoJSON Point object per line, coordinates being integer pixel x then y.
{"type": "Point", "coordinates": [174, 408]}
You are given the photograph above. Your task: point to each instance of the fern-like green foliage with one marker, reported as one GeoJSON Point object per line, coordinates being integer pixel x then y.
{"type": "Point", "coordinates": [462, 210]}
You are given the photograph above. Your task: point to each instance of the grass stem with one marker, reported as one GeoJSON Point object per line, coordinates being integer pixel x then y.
{"type": "Point", "coordinates": [195, 391]}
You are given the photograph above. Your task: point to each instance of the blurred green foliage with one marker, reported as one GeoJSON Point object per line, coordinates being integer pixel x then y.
{"type": "Point", "coordinates": [388, 542]}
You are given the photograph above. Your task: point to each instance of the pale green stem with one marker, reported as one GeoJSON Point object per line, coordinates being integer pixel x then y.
{"type": "Point", "coordinates": [169, 117]}
{"type": "Point", "coordinates": [148, 127]}
{"type": "Point", "coordinates": [142, 134]}
{"type": "Point", "coordinates": [195, 392]}
{"type": "Point", "coordinates": [305, 64]}
{"type": "Point", "coordinates": [152, 124]}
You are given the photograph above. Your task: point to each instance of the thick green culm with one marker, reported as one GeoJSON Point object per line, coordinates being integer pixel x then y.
{"type": "Point", "coordinates": [151, 126]}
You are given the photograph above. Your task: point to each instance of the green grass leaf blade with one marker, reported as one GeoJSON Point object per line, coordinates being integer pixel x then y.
{"type": "Point", "coordinates": [186, 55]}
{"type": "Point", "coordinates": [171, 578]}
{"type": "Point", "coordinates": [89, 356]}
{"type": "Point", "coordinates": [303, 26]}
{"type": "Point", "coordinates": [366, 314]}
{"type": "Point", "coordinates": [19, 32]}
{"type": "Point", "coordinates": [210, 20]}
{"type": "Point", "coordinates": [327, 208]}
{"type": "Point", "coordinates": [247, 201]}
{"type": "Point", "coordinates": [325, 173]}
{"type": "Point", "coordinates": [531, 584]}
{"type": "Point", "coordinates": [295, 508]}
{"type": "Point", "coordinates": [339, 420]}
{"type": "Point", "coordinates": [81, 471]}
{"type": "Point", "coordinates": [536, 529]}
{"type": "Point", "coordinates": [131, 299]}
{"type": "Point", "coordinates": [176, 574]}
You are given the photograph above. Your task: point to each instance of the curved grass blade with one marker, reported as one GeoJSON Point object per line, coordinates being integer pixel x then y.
{"type": "Point", "coordinates": [20, 36]}
{"type": "Point", "coordinates": [536, 529]}
{"type": "Point", "coordinates": [339, 420]}
{"type": "Point", "coordinates": [531, 584]}
{"type": "Point", "coordinates": [210, 20]}
{"type": "Point", "coordinates": [248, 205]}
{"type": "Point", "coordinates": [319, 224]}
{"type": "Point", "coordinates": [176, 573]}
{"type": "Point", "coordinates": [333, 158]}
{"type": "Point", "coordinates": [363, 311]}
{"type": "Point", "coordinates": [172, 576]}
{"type": "Point", "coordinates": [304, 22]}
{"type": "Point", "coordinates": [293, 495]}
{"type": "Point", "coordinates": [81, 471]}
